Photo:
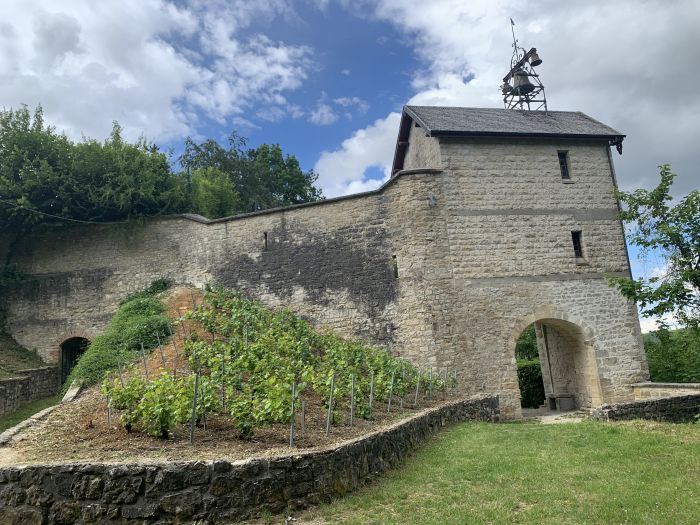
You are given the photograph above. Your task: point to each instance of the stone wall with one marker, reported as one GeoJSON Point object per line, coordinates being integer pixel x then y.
{"type": "Point", "coordinates": [679, 409]}
{"type": "Point", "coordinates": [649, 390]}
{"type": "Point", "coordinates": [28, 386]}
{"type": "Point", "coordinates": [187, 491]}
{"type": "Point", "coordinates": [481, 236]}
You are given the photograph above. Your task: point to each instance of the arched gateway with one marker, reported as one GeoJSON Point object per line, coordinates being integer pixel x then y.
{"type": "Point", "coordinates": [70, 351]}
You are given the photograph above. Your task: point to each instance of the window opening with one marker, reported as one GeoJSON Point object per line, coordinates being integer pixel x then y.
{"type": "Point", "coordinates": [265, 240]}
{"type": "Point", "coordinates": [578, 246]}
{"type": "Point", "coordinates": [395, 266]}
{"type": "Point", "coordinates": [564, 164]}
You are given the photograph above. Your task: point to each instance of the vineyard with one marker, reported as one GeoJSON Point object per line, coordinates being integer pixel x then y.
{"type": "Point", "coordinates": [259, 368]}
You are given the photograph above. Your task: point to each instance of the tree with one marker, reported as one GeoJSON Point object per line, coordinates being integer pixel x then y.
{"type": "Point", "coordinates": [674, 232]}
{"type": "Point", "coordinates": [213, 193]}
{"type": "Point", "coordinates": [263, 177]}
{"type": "Point", "coordinates": [45, 177]}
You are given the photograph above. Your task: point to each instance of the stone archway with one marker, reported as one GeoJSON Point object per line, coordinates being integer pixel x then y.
{"type": "Point", "coordinates": [70, 351]}
{"type": "Point", "coordinates": [567, 357]}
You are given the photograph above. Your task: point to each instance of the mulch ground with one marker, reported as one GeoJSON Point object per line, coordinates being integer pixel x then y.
{"type": "Point", "coordinates": [79, 431]}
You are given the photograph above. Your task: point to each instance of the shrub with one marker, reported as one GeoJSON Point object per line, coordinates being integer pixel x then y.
{"type": "Point", "coordinates": [530, 381]}
{"type": "Point", "coordinates": [673, 355]}
{"type": "Point", "coordinates": [136, 321]}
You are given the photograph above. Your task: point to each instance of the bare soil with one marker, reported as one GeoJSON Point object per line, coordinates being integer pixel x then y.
{"type": "Point", "coordinates": [79, 431]}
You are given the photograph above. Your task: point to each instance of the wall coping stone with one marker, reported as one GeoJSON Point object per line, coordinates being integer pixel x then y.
{"type": "Point", "coordinates": [650, 384]}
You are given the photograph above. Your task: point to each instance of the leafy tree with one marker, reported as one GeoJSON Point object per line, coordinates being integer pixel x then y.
{"type": "Point", "coordinates": [263, 177]}
{"type": "Point", "coordinates": [673, 355]}
{"type": "Point", "coordinates": [213, 193]}
{"type": "Point", "coordinates": [526, 347]}
{"type": "Point", "coordinates": [45, 177]}
{"type": "Point", "coordinates": [674, 232]}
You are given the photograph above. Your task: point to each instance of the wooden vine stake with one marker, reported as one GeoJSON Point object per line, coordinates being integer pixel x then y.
{"type": "Point", "coordinates": [303, 418]}
{"type": "Point", "coordinates": [109, 412]}
{"type": "Point", "coordinates": [371, 393]}
{"type": "Point", "coordinates": [352, 399]}
{"type": "Point", "coordinates": [160, 347]}
{"type": "Point", "coordinates": [403, 385]}
{"type": "Point", "coordinates": [119, 370]}
{"type": "Point", "coordinates": [391, 392]}
{"type": "Point", "coordinates": [223, 381]}
{"type": "Point", "coordinates": [194, 407]}
{"type": "Point", "coordinates": [291, 426]}
{"type": "Point", "coordinates": [415, 398]}
{"type": "Point", "coordinates": [145, 364]}
{"type": "Point", "coordinates": [430, 383]}
{"type": "Point", "coordinates": [330, 407]}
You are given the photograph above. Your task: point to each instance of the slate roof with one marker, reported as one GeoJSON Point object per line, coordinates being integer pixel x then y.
{"type": "Point", "coordinates": [441, 121]}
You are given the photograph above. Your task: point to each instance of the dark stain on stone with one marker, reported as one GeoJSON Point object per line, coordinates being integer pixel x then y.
{"type": "Point", "coordinates": [353, 259]}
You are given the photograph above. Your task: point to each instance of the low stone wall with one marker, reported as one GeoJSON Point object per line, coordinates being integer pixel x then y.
{"type": "Point", "coordinates": [30, 385]}
{"type": "Point", "coordinates": [213, 491]}
{"type": "Point", "coordinates": [678, 409]}
{"type": "Point", "coordinates": [649, 390]}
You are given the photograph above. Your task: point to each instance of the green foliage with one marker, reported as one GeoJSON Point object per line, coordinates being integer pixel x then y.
{"type": "Point", "coordinates": [673, 355]}
{"type": "Point", "coordinates": [156, 287]}
{"type": "Point", "coordinates": [530, 382]}
{"type": "Point", "coordinates": [213, 193]}
{"type": "Point", "coordinates": [44, 174]}
{"type": "Point", "coordinates": [674, 232]}
{"type": "Point", "coordinates": [238, 180]}
{"type": "Point", "coordinates": [526, 347]}
{"type": "Point", "coordinates": [256, 355]}
{"type": "Point", "coordinates": [45, 177]}
{"type": "Point", "coordinates": [137, 321]}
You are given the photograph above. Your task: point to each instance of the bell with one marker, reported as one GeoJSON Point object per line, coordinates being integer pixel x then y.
{"type": "Point", "coordinates": [521, 83]}
{"type": "Point", "coordinates": [506, 88]}
{"type": "Point", "coordinates": [535, 59]}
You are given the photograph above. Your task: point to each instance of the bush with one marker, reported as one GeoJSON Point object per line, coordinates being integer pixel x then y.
{"type": "Point", "coordinates": [673, 355]}
{"type": "Point", "coordinates": [136, 321]}
{"type": "Point", "coordinates": [530, 381]}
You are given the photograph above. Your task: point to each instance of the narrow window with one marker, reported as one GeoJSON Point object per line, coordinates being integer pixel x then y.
{"type": "Point", "coordinates": [578, 246]}
{"type": "Point", "coordinates": [265, 241]}
{"type": "Point", "coordinates": [395, 266]}
{"type": "Point", "coordinates": [564, 164]}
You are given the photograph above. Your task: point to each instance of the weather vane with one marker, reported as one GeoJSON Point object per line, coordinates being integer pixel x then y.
{"type": "Point", "coordinates": [521, 87]}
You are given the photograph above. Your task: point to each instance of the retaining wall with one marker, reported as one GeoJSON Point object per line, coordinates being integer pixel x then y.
{"type": "Point", "coordinates": [648, 389]}
{"type": "Point", "coordinates": [182, 492]}
{"type": "Point", "coordinates": [678, 409]}
{"type": "Point", "coordinates": [30, 385]}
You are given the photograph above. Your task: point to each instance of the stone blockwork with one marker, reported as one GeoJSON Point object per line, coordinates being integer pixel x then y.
{"type": "Point", "coordinates": [679, 409]}
{"type": "Point", "coordinates": [213, 491]}
{"type": "Point", "coordinates": [481, 235]}
{"type": "Point", "coordinates": [650, 390]}
{"type": "Point", "coordinates": [28, 386]}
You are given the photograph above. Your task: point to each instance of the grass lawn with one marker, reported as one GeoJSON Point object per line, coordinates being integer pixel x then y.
{"type": "Point", "coordinates": [635, 472]}
{"type": "Point", "coordinates": [26, 411]}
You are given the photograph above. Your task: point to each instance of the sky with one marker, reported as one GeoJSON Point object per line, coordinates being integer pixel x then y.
{"type": "Point", "coordinates": [327, 79]}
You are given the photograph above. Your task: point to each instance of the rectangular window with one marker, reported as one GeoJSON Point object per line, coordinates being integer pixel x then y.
{"type": "Point", "coordinates": [395, 266]}
{"type": "Point", "coordinates": [265, 241]}
{"type": "Point", "coordinates": [564, 164]}
{"type": "Point", "coordinates": [578, 246]}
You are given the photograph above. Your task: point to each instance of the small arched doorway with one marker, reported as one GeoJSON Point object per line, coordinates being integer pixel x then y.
{"type": "Point", "coordinates": [71, 350]}
{"type": "Point", "coordinates": [568, 365]}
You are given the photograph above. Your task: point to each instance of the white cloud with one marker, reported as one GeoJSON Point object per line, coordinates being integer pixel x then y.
{"type": "Point", "coordinates": [350, 102]}
{"type": "Point", "coordinates": [343, 171]}
{"type": "Point", "coordinates": [155, 66]}
{"type": "Point", "coordinates": [323, 115]}
{"type": "Point", "coordinates": [345, 72]}
{"type": "Point", "coordinates": [632, 67]}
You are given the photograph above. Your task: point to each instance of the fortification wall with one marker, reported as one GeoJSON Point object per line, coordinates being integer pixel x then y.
{"type": "Point", "coordinates": [482, 241]}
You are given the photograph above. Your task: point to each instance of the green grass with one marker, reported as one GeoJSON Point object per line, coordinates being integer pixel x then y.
{"type": "Point", "coordinates": [27, 411]}
{"type": "Point", "coordinates": [14, 357]}
{"type": "Point", "coordinates": [589, 472]}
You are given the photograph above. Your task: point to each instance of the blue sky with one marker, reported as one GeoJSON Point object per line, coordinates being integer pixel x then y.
{"type": "Point", "coordinates": [326, 79]}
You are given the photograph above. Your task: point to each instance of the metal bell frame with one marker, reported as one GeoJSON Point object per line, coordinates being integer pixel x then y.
{"type": "Point", "coordinates": [522, 88]}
